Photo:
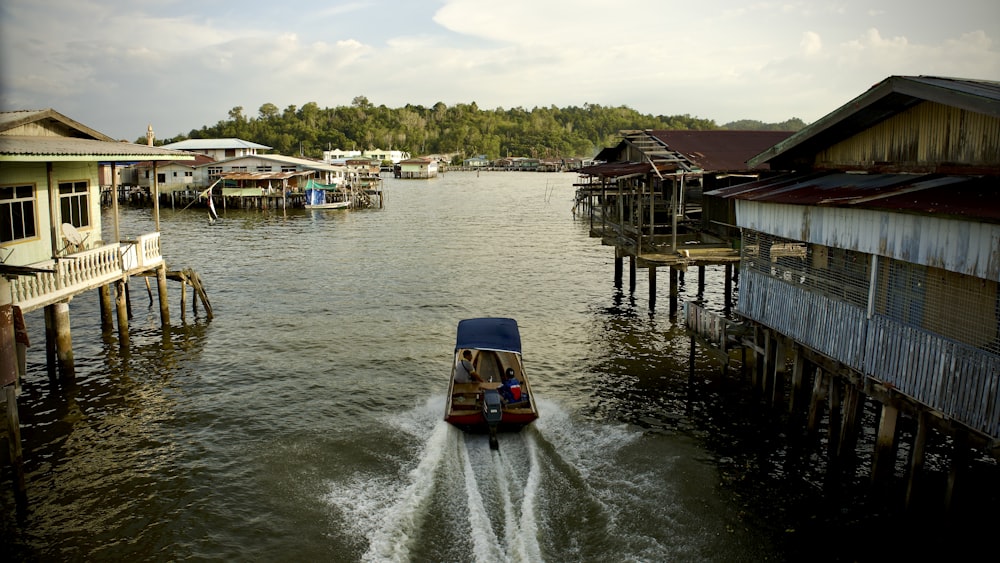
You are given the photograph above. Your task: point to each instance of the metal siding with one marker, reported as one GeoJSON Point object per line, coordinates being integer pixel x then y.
{"type": "Point", "coordinates": [926, 135]}
{"type": "Point", "coordinates": [958, 380]}
{"type": "Point", "coordinates": [959, 246]}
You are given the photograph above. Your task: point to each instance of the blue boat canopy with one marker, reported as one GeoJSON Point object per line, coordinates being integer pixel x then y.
{"type": "Point", "coordinates": [489, 334]}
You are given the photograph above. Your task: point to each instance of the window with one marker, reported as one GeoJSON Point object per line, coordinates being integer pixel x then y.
{"type": "Point", "coordinates": [74, 203]}
{"type": "Point", "coordinates": [17, 213]}
{"type": "Point", "coordinates": [263, 169]}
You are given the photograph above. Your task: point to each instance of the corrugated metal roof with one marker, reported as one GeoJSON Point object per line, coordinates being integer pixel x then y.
{"type": "Point", "coordinates": [883, 100]}
{"type": "Point", "coordinates": [214, 144]}
{"type": "Point", "coordinates": [969, 197]}
{"type": "Point", "coordinates": [264, 175]}
{"type": "Point", "coordinates": [621, 169]}
{"type": "Point", "coordinates": [49, 119]}
{"type": "Point", "coordinates": [721, 150]}
{"type": "Point", "coordinates": [44, 149]}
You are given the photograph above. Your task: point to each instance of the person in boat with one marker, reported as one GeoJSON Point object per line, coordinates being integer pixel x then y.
{"type": "Point", "coordinates": [465, 372]}
{"type": "Point", "coordinates": [510, 389]}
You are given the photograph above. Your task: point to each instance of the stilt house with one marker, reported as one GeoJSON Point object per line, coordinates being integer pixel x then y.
{"type": "Point", "coordinates": [879, 250]}
{"type": "Point", "coordinates": [52, 246]}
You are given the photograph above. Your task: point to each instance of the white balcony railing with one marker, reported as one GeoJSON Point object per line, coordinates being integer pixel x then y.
{"type": "Point", "coordinates": [82, 271]}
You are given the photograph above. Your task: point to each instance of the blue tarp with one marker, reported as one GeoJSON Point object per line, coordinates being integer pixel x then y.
{"type": "Point", "coordinates": [489, 334]}
{"type": "Point", "coordinates": [315, 197]}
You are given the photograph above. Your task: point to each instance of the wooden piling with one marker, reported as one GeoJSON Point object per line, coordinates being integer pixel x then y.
{"type": "Point", "coordinates": [728, 293]}
{"type": "Point", "coordinates": [917, 456]}
{"type": "Point", "coordinates": [780, 369]}
{"type": "Point", "coordinates": [798, 373]}
{"type": "Point", "coordinates": [652, 288]}
{"type": "Point", "coordinates": [161, 286]}
{"type": "Point", "coordinates": [619, 267]}
{"type": "Point", "coordinates": [673, 290]}
{"type": "Point", "coordinates": [819, 393]}
{"type": "Point", "coordinates": [121, 304]}
{"type": "Point", "coordinates": [51, 361]}
{"type": "Point", "coordinates": [884, 458]}
{"type": "Point", "coordinates": [107, 309]}
{"type": "Point", "coordinates": [14, 440]}
{"type": "Point", "coordinates": [64, 340]}
{"type": "Point", "coordinates": [631, 274]}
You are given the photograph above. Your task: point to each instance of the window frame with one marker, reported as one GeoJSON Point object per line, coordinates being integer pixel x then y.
{"type": "Point", "coordinates": [77, 202]}
{"type": "Point", "coordinates": [19, 201]}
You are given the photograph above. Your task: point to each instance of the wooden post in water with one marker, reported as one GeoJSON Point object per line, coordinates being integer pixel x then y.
{"type": "Point", "coordinates": [64, 340]}
{"type": "Point", "coordinates": [834, 399]}
{"type": "Point", "coordinates": [631, 274]}
{"type": "Point", "coordinates": [673, 290]}
{"type": "Point", "coordinates": [884, 458]}
{"type": "Point", "coordinates": [818, 398]}
{"type": "Point", "coordinates": [121, 304]}
{"type": "Point", "coordinates": [652, 288]}
{"type": "Point", "coordinates": [183, 298]}
{"type": "Point", "coordinates": [9, 380]}
{"type": "Point", "coordinates": [107, 315]}
{"type": "Point", "coordinates": [701, 281]}
{"type": "Point", "coordinates": [161, 286]}
{"type": "Point", "coordinates": [728, 294]}
{"type": "Point", "coordinates": [768, 367]}
{"type": "Point", "coordinates": [917, 456]}
{"type": "Point", "coordinates": [854, 404]}
{"type": "Point", "coordinates": [780, 368]}
{"type": "Point", "coordinates": [50, 342]}
{"type": "Point", "coordinates": [798, 371]}
{"type": "Point", "coordinates": [619, 267]}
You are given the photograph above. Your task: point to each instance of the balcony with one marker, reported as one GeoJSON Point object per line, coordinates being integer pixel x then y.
{"type": "Point", "coordinates": [78, 272]}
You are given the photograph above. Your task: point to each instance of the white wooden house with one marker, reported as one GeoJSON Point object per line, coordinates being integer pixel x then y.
{"type": "Point", "coordinates": [248, 175]}
{"type": "Point", "coordinates": [414, 168]}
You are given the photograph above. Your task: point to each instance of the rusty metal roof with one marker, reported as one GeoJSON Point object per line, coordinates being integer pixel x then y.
{"type": "Point", "coordinates": [616, 170]}
{"type": "Point", "coordinates": [721, 150]}
{"type": "Point", "coordinates": [970, 197]}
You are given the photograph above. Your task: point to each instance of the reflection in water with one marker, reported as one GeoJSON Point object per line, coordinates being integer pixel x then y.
{"type": "Point", "coordinates": [304, 421]}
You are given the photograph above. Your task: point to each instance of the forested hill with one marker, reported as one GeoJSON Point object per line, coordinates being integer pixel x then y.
{"type": "Point", "coordinates": [440, 129]}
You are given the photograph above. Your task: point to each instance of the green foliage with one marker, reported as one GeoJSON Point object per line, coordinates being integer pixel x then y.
{"type": "Point", "coordinates": [463, 128]}
{"type": "Point", "coordinates": [793, 124]}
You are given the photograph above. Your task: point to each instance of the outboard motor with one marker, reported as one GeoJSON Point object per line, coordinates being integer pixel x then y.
{"type": "Point", "coordinates": [492, 412]}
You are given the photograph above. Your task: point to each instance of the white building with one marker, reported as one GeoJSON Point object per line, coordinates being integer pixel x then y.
{"type": "Point", "coordinates": [218, 149]}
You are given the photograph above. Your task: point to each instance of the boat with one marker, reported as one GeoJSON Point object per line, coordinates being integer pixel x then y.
{"type": "Point", "coordinates": [487, 406]}
{"type": "Point", "coordinates": [317, 198]}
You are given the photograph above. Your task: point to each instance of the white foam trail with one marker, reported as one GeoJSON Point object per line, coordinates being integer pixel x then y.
{"type": "Point", "coordinates": [526, 546]}
{"type": "Point", "coordinates": [521, 533]}
{"type": "Point", "coordinates": [391, 540]}
{"type": "Point", "coordinates": [484, 539]}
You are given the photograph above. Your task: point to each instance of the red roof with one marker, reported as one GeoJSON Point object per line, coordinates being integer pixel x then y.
{"type": "Point", "coordinates": [721, 150]}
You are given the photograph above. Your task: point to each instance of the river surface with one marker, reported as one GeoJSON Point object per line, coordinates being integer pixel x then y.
{"type": "Point", "coordinates": [304, 422]}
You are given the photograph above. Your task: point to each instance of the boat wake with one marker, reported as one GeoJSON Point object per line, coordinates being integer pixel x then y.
{"type": "Point", "coordinates": [554, 490]}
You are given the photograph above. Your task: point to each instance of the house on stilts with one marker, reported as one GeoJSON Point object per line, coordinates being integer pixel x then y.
{"type": "Point", "coordinates": [53, 245]}
{"type": "Point", "coordinates": [871, 265]}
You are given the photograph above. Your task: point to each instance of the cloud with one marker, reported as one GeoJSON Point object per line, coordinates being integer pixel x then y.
{"type": "Point", "coordinates": [117, 65]}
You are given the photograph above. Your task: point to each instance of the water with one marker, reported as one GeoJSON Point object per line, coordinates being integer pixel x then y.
{"type": "Point", "coordinates": [303, 423]}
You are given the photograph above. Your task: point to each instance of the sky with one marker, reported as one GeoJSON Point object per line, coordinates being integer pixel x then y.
{"type": "Point", "coordinates": [118, 66]}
